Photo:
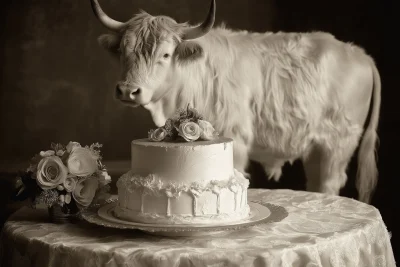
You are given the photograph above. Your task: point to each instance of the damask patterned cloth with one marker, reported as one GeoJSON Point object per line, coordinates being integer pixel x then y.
{"type": "Point", "coordinates": [319, 230]}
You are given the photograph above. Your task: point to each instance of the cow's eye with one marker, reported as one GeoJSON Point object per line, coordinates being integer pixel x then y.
{"type": "Point", "coordinates": [166, 55]}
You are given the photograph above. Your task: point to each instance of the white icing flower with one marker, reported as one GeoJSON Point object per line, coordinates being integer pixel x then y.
{"type": "Point", "coordinates": [72, 145]}
{"type": "Point", "coordinates": [234, 188]}
{"type": "Point", "coordinates": [70, 183]}
{"type": "Point", "coordinates": [159, 184]}
{"type": "Point", "coordinates": [157, 135]}
{"type": "Point", "coordinates": [216, 186]}
{"type": "Point", "coordinates": [207, 130]}
{"type": "Point", "coordinates": [85, 191]}
{"type": "Point", "coordinates": [190, 131]}
{"type": "Point", "coordinates": [51, 172]}
{"type": "Point", "coordinates": [149, 180]}
{"type": "Point", "coordinates": [172, 191]}
{"type": "Point", "coordinates": [183, 188]}
{"type": "Point", "coordinates": [195, 192]}
{"type": "Point", "coordinates": [82, 161]}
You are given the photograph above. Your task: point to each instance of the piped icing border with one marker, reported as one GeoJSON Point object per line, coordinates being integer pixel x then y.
{"type": "Point", "coordinates": [154, 185]}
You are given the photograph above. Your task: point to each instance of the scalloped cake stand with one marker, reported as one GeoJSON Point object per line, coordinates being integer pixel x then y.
{"type": "Point", "coordinates": [259, 213]}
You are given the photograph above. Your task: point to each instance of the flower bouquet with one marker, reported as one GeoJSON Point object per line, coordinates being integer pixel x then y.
{"type": "Point", "coordinates": [187, 125]}
{"type": "Point", "coordinates": [66, 179]}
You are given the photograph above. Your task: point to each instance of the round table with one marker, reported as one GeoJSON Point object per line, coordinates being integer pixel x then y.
{"type": "Point", "coordinates": [319, 230]}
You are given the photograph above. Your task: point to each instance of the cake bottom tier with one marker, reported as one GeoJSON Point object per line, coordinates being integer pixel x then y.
{"type": "Point", "coordinates": [150, 200]}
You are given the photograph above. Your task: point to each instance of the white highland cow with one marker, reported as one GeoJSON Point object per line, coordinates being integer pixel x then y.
{"type": "Point", "coordinates": [280, 96]}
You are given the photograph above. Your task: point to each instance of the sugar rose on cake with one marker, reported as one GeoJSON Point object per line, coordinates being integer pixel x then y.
{"type": "Point", "coordinates": [190, 131]}
{"type": "Point", "coordinates": [158, 134]}
{"type": "Point", "coordinates": [186, 125]}
{"type": "Point", "coordinates": [207, 130]}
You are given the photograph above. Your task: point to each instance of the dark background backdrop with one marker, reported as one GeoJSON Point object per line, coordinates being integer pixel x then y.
{"type": "Point", "coordinates": [57, 83]}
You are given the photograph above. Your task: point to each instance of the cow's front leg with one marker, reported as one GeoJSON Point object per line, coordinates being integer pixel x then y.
{"type": "Point", "coordinates": [272, 163]}
{"type": "Point", "coordinates": [240, 156]}
{"type": "Point", "coordinates": [273, 168]}
{"type": "Point", "coordinates": [242, 133]}
{"type": "Point", "coordinates": [242, 139]}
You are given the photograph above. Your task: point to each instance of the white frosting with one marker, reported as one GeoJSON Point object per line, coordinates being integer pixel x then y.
{"type": "Point", "coordinates": [183, 161]}
{"type": "Point", "coordinates": [150, 200]}
{"type": "Point", "coordinates": [182, 182]}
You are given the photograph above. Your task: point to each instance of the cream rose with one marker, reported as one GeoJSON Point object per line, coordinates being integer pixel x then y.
{"type": "Point", "coordinates": [70, 183]}
{"type": "Point", "coordinates": [82, 162]}
{"type": "Point", "coordinates": [71, 146]}
{"type": "Point", "coordinates": [190, 131]}
{"type": "Point", "coordinates": [207, 130]}
{"type": "Point", "coordinates": [50, 172]}
{"type": "Point", "coordinates": [85, 190]}
{"type": "Point", "coordinates": [157, 135]}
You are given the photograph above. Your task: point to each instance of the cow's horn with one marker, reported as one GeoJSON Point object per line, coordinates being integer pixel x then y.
{"type": "Point", "coordinates": [108, 22]}
{"type": "Point", "coordinates": [202, 29]}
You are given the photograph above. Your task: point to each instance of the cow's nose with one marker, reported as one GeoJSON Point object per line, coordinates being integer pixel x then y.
{"type": "Point", "coordinates": [134, 93]}
{"type": "Point", "coordinates": [126, 93]}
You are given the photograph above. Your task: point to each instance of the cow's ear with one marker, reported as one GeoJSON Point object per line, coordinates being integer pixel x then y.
{"type": "Point", "coordinates": [110, 42]}
{"type": "Point", "coordinates": [188, 51]}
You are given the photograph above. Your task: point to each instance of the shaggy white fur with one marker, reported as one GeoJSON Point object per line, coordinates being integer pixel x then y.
{"type": "Point", "coordinates": [280, 96]}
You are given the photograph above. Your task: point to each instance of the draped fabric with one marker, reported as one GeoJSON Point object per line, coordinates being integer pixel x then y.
{"type": "Point", "coordinates": [319, 230]}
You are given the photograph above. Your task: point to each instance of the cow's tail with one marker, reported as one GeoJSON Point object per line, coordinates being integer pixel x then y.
{"type": "Point", "coordinates": [367, 173]}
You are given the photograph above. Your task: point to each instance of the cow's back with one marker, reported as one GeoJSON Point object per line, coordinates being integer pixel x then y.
{"type": "Point", "coordinates": [310, 81]}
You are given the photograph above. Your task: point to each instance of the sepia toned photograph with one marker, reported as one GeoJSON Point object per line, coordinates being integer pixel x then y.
{"type": "Point", "coordinates": [188, 133]}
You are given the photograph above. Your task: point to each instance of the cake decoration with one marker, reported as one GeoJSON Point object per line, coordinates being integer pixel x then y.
{"type": "Point", "coordinates": [176, 180]}
{"type": "Point", "coordinates": [182, 182]}
{"type": "Point", "coordinates": [186, 125]}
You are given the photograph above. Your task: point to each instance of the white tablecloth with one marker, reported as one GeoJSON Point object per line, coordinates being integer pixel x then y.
{"type": "Point", "coordinates": [319, 230]}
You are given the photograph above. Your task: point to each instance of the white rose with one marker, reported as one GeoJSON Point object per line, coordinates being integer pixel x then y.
{"type": "Point", "coordinates": [72, 145]}
{"type": "Point", "coordinates": [157, 135]}
{"type": "Point", "coordinates": [82, 162]}
{"type": "Point", "coordinates": [207, 130]}
{"type": "Point", "coordinates": [47, 153]}
{"type": "Point", "coordinates": [70, 183]}
{"type": "Point", "coordinates": [50, 172]}
{"type": "Point", "coordinates": [190, 131]}
{"type": "Point", "coordinates": [85, 191]}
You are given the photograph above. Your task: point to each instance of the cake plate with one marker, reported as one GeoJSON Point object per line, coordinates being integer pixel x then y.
{"type": "Point", "coordinates": [259, 213]}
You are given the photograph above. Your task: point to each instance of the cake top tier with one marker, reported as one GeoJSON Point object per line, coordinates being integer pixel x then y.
{"type": "Point", "coordinates": [187, 125]}
{"type": "Point", "coordinates": [183, 162]}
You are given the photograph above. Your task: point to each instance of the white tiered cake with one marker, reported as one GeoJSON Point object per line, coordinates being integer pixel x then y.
{"type": "Point", "coordinates": [175, 182]}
